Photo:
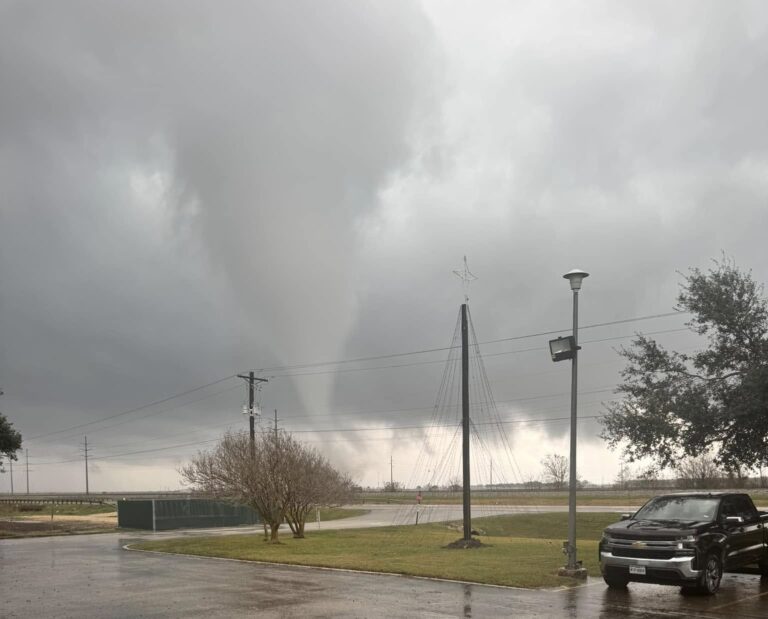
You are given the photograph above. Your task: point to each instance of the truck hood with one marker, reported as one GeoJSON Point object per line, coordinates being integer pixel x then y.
{"type": "Point", "coordinates": [658, 529]}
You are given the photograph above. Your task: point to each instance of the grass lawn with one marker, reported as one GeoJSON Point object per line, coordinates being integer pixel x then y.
{"type": "Point", "coordinates": [517, 498]}
{"type": "Point", "coordinates": [545, 497]}
{"type": "Point", "coordinates": [522, 550]}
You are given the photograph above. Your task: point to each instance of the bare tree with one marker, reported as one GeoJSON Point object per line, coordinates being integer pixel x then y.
{"type": "Point", "coordinates": [247, 474]}
{"type": "Point", "coordinates": [314, 483]}
{"type": "Point", "coordinates": [624, 476]}
{"type": "Point", "coordinates": [532, 482]}
{"type": "Point", "coordinates": [455, 484]}
{"type": "Point", "coordinates": [277, 476]}
{"type": "Point", "coordinates": [699, 472]}
{"type": "Point", "coordinates": [737, 477]}
{"type": "Point", "coordinates": [649, 477]}
{"type": "Point", "coordinates": [555, 470]}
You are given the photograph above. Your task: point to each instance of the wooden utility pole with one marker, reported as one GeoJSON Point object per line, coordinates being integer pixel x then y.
{"type": "Point", "coordinates": [252, 380]}
{"type": "Point", "coordinates": [465, 421]}
{"type": "Point", "coordinates": [26, 455]}
{"type": "Point", "coordinates": [275, 425]}
{"type": "Point", "coordinates": [10, 461]}
{"type": "Point", "coordinates": [491, 484]}
{"type": "Point", "coordinates": [251, 396]}
{"type": "Point", "coordinates": [87, 491]}
{"type": "Point", "coordinates": [391, 477]}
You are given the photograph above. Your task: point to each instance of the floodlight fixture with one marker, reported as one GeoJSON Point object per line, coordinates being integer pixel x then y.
{"type": "Point", "coordinates": [563, 348]}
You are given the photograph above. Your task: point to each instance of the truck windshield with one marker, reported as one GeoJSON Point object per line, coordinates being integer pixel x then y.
{"type": "Point", "coordinates": [679, 508]}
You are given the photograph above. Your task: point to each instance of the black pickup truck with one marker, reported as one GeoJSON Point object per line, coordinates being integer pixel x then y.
{"type": "Point", "coordinates": [686, 540]}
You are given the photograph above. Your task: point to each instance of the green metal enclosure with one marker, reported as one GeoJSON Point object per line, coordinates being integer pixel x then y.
{"type": "Point", "coordinates": [166, 514]}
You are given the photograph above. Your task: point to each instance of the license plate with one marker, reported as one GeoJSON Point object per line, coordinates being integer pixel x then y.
{"type": "Point", "coordinates": [637, 569]}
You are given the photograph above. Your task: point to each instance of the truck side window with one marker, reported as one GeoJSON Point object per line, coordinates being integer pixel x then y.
{"type": "Point", "coordinates": [728, 508]}
{"type": "Point", "coordinates": [738, 506]}
{"type": "Point", "coordinates": [745, 508]}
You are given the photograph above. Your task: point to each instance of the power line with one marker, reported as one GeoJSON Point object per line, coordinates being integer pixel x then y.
{"type": "Point", "coordinates": [354, 413]}
{"type": "Point", "coordinates": [234, 422]}
{"type": "Point", "coordinates": [417, 427]}
{"type": "Point", "coordinates": [429, 350]}
{"type": "Point", "coordinates": [443, 429]}
{"type": "Point", "coordinates": [382, 411]}
{"type": "Point", "coordinates": [160, 412]}
{"type": "Point", "coordinates": [498, 354]}
{"type": "Point", "coordinates": [133, 410]}
{"type": "Point", "coordinates": [344, 361]}
{"type": "Point", "coordinates": [129, 453]}
{"type": "Point", "coordinates": [358, 439]}
{"type": "Point", "coordinates": [429, 408]}
{"type": "Point", "coordinates": [197, 430]}
{"type": "Point", "coordinates": [592, 326]}
{"type": "Point", "coordinates": [383, 428]}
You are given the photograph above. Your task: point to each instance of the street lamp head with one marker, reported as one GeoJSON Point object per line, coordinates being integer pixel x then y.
{"type": "Point", "coordinates": [575, 277]}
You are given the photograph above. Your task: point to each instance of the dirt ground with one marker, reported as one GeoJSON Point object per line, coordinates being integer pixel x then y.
{"type": "Point", "coordinates": [32, 525]}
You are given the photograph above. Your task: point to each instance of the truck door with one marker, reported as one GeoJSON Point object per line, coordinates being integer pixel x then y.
{"type": "Point", "coordinates": [745, 540]}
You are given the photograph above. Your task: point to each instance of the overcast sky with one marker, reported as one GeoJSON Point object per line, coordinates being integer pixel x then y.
{"type": "Point", "coordinates": [191, 190]}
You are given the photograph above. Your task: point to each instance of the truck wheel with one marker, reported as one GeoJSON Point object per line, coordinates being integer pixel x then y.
{"type": "Point", "coordinates": [711, 576]}
{"type": "Point", "coordinates": [615, 581]}
{"type": "Point", "coordinates": [763, 565]}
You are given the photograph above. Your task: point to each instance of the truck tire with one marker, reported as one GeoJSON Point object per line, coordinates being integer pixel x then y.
{"type": "Point", "coordinates": [615, 581]}
{"type": "Point", "coordinates": [711, 575]}
{"type": "Point", "coordinates": [763, 565]}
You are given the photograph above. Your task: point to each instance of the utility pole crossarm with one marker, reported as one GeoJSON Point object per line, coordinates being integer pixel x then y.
{"type": "Point", "coordinates": [250, 377]}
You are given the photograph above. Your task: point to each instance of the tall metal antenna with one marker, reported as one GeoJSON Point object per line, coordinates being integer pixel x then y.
{"type": "Point", "coordinates": [466, 277]}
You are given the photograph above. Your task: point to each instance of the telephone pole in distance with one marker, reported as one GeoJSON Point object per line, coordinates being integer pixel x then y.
{"type": "Point", "coordinates": [275, 424]}
{"type": "Point", "coordinates": [85, 449]}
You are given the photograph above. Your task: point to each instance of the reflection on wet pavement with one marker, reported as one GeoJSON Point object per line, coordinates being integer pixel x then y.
{"type": "Point", "coordinates": [92, 576]}
{"type": "Point", "coordinates": [467, 600]}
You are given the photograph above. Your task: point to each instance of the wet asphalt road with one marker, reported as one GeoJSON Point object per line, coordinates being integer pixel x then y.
{"type": "Point", "coordinates": [93, 576]}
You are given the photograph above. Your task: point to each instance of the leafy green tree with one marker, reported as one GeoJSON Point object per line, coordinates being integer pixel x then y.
{"type": "Point", "coordinates": [679, 405]}
{"type": "Point", "coordinates": [10, 439]}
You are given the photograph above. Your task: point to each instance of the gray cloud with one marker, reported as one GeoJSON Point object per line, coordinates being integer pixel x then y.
{"type": "Point", "coordinates": [188, 193]}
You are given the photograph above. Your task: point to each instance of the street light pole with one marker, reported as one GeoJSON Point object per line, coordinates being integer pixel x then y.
{"type": "Point", "coordinates": [572, 480]}
{"type": "Point", "coordinates": [573, 567]}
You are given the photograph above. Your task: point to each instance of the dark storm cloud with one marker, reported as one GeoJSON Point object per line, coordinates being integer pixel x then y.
{"type": "Point", "coordinates": [628, 141]}
{"type": "Point", "coordinates": [191, 191]}
{"type": "Point", "coordinates": [180, 189]}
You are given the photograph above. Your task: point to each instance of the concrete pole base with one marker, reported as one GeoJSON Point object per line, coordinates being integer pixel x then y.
{"type": "Point", "coordinates": [578, 572]}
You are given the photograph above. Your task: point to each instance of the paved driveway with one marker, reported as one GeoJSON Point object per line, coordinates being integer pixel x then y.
{"type": "Point", "coordinates": [92, 576]}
